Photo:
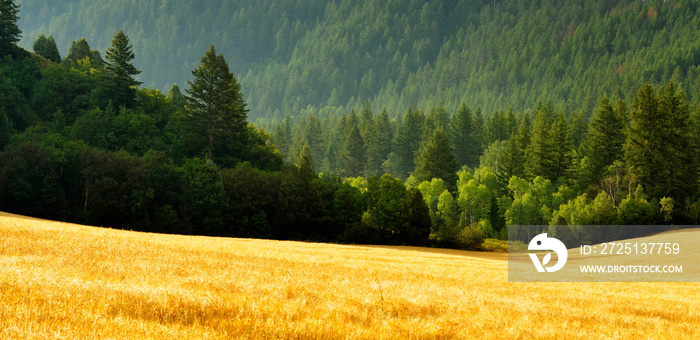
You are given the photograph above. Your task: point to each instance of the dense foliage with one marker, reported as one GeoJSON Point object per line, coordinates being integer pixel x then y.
{"type": "Point", "coordinates": [80, 141]}
{"type": "Point", "coordinates": [334, 55]}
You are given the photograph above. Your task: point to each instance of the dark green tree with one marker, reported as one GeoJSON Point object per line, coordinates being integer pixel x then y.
{"type": "Point", "coordinates": [46, 47]}
{"type": "Point", "coordinates": [214, 118]}
{"type": "Point", "coordinates": [79, 54]}
{"type": "Point", "coordinates": [660, 148]}
{"type": "Point", "coordinates": [560, 150]}
{"type": "Point", "coordinates": [511, 162]}
{"type": "Point", "coordinates": [437, 118]}
{"type": "Point", "coordinates": [10, 33]}
{"type": "Point", "coordinates": [408, 140]}
{"type": "Point", "coordinates": [379, 147]}
{"type": "Point", "coordinates": [605, 139]}
{"type": "Point", "coordinates": [353, 155]}
{"type": "Point", "coordinates": [119, 83]}
{"type": "Point", "coordinates": [436, 159]}
{"type": "Point", "coordinates": [538, 153]}
{"type": "Point", "coordinates": [463, 137]}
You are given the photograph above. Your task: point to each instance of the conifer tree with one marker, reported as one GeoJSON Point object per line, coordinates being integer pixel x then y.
{"type": "Point", "coordinates": [215, 113]}
{"type": "Point", "coordinates": [353, 156]}
{"type": "Point", "coordinates": [119, 75]}
{"type": "Point", "coordinates": [605, 139]}
{"type": "Point", "coordinates": [10, 33]}
{"type": "Point", "coordinates": [379, 147]}
{"type": "Point", "coordinates": [660, 149]}
{"type": "Point", "coordinates": [511, 162]}
{"type": "Point", "coordinates": [282, 136]}
{"type": "Point", "coordinates": [560, 151]}
{"type": "Point", "coordinates": [408, 140]}
{"type": "Point", "coordinates": [464, 138]}
{"type": "Point", "coordinates": [538, 151]}
{"type": "Point", "coordinates": [437, 118]}
{"type": "Point", "coordinates": [79, 51]}
{"type": "Point", "coordinates": [436, 159]}
{"type": "Point", "coordinates": [46, 47]}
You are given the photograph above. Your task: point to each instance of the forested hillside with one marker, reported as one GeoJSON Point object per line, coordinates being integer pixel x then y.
{"type": "Point", "coordinates": [295, 55]}
{"type": "Point", "coordinates": [583, 131]}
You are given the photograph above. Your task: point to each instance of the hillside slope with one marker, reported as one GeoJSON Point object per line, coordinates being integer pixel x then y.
{"type": "Point", "coordinates": [294, 55]}
{"type": "Point", "coordinates": [68, 281]}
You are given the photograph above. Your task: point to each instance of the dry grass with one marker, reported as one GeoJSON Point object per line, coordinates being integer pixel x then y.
{"type": "Point", "coordinates": [67, 281]}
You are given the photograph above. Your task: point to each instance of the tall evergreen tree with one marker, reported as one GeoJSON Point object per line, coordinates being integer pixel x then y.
{"type": "Point", "coordinates": [436, 159]}
{"type": "Point", "coordinates": [353, 155]}
{"type": "Point", "coordinates": [313, 133]}
{"type": "Point", "coordinates": [437, 118]}
{"type": "Point", "coordinates": [46, 47]}
{"type": "Point", "coordinates": [282, 136]}
{"type": "Point", "coordinates": [464, 138]}
{"type": "Point", "coordinates": [605, 139]}
{"type": "Point", "coordinates": [379, 147]}
{"type": "Point", "coordinates": [215, 114]}
{"type": "Point", "coordinates": [119, 75]}
{"type": "Point", "coordinates": [408, 140]}
{"type": "Point", "coordinates": [524, 135]}
{"type": "Point", "coordinates": [538, 152]}
{"type": "Point", "coordinates": [560, 150]}
{"type": "Point", "coordinates": [660, 149]}
{"type": "Point", "coordinates": [511, 162]}
{"type": "Point", "coordinates": [10, 33]}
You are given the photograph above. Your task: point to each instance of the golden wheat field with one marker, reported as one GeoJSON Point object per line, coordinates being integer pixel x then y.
{"type": "Point", "coordinates": [67, 281]}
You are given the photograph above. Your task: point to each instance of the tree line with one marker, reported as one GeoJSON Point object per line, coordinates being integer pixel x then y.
{"type": "Point", "coordinates": [82, 142]}
{"type": "Point", "coordinates": [628, 164]}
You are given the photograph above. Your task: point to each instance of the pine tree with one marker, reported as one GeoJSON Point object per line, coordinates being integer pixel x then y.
{"type": "Point", "coordinates": [436, 159]}
{"type": "Point", "coordinates": [538, 152]}
{"type": "Point", "coordinates": [511, 162]}
{"type": "Point", "coordinates": [660, 149]}
{"type": "Point", "coordinates": [215, 113]}
{"type": "Point", "coordinates": [524, 135]}
{"type": "Point", "coordinates": [353, 154]}
{"type": "Point", "coordinates": [79, 51]}
{"type": "Point", "coordinates": [313, 133]}
{"type": "Point", "coordinates": [464, 138]}
{"type": "Point", "coordinates": [282, 136]}
{"type": "Point", "coordinates": [368, 132]}
{"type": "Point", "coordinates": [119, 72]}
{"type": "Point", "coordinates": [366, 121]}
{"type": "Point", "coordinates": [605, 139]}
{"type": "Point", "coordinates": [10, 33]}
{"type": "Point", "coordinates": [408, 140]}
{"type": "Point", "coordinates": [379, 147]}
{"type": "Point", "coordinates": [437, 118]}
{"type": "Point", "coordinates": [46, 47]}
{"type": "Point", "coordinates": [560, 150]}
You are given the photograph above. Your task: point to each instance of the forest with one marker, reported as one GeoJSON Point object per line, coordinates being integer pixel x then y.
{"type": "Point", "coordinates": [328, 57]}
{"type": "Point", "coordinates": [82, 140]}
